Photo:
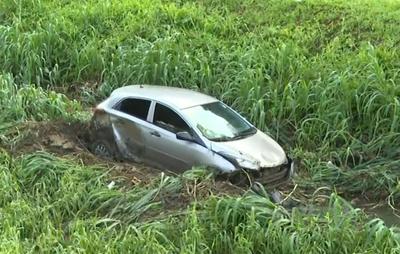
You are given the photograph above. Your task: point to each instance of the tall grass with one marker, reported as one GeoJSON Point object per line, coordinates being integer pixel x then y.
{"type": "Point", "coordinates": [54, 205]}
{"type": "Point", "coordinates": [29, 102]}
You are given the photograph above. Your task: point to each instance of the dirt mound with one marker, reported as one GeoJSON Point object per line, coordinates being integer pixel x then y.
{"type": "Point", "coordinates": [71, 139]}
{"type": "Point", "coordinates": [57, 137]}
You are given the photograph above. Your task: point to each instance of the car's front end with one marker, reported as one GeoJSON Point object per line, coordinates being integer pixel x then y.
{"type": "Point", "coordinates": [252, 153]}
{"type": "Point", "coordinates": [257, 157]}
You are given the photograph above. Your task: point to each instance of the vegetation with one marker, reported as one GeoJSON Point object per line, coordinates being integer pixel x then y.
{"type": "Point", "coordinates": [320, 76]}
{"type": "Point", "coordinates": [55, 205]}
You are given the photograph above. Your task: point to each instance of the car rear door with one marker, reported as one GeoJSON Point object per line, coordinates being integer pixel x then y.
{"type": "Point", "coordinates": [130, 123]}
{"type": "Point", "coordinates": [163, 147]}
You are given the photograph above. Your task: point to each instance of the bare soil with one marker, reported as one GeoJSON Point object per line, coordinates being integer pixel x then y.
{"type": "Point", "coordinates": [72, 140]}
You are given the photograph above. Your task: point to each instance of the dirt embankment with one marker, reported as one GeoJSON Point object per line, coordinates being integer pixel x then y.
{"type": "Point", "coordinates": [71, 140]}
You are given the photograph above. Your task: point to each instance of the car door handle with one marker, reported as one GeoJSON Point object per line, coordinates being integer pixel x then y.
{"type": "Point", "coordinates": [155, 134]}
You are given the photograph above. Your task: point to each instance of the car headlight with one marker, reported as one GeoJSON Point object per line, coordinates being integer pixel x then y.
{"type": "Point", "coordinates": [247, 163]}
{"type": "Point", "coordinates": [242, 162]}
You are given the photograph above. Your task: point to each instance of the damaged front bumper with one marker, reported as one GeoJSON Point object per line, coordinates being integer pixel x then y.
{"type": "Point", "coordinates": [269, 177]}
{"type": "Point", "coordinates": [276, 176]}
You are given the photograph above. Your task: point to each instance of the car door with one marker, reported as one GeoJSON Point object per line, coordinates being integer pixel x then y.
{"type": "Point", "coordinates": [163, 147]}
{"type": "Point", "coordinates": [129, 121]}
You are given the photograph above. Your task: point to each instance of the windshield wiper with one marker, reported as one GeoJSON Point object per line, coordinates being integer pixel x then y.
{"type": "Point", "coordinates": [240, 135]}
{"type": "Point", "coordinates": [221, 139]}
{"type": "Point", "coordinates": [245, 133]}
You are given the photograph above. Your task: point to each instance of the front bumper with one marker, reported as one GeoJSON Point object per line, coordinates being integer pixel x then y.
{"type": "Point", "coordinates": [276, 176]}
{"type": "Point", "coordinates": [269, 177]}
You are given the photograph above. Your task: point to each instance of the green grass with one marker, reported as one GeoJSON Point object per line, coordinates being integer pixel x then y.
{"type": "Point", "coordinates": [31, 103]}
{"type": "Point", "coordinates": [320, 76]}
{"type": "Point", "coordinates": [49, 204]}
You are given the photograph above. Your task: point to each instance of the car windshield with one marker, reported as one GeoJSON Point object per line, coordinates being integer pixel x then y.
{"type": "Point", "coordinates": [217, 122]}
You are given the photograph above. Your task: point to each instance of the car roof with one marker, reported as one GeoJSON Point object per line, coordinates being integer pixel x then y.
{"type": "Point", "coordinates": [174, 96]}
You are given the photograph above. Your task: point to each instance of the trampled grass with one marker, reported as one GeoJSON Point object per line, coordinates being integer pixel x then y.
{"type": "Point", "coordinates": [320, 76]}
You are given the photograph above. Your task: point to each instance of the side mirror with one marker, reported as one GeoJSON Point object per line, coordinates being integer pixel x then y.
{"type": "Point", "coordinates": [184, 135]}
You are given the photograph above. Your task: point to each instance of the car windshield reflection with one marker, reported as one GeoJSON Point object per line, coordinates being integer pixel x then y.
{"type": "Point", "coordinates": [217, 122]}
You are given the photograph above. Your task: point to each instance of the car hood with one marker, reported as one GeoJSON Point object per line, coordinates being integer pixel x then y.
{"type": "Point", "coordinates": [259, 148]}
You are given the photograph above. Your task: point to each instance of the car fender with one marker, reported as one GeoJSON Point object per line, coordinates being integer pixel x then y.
{"type": "Point", "coordinates": [229, 154]}
{"type": "Point", "coordinates": [223, 165]}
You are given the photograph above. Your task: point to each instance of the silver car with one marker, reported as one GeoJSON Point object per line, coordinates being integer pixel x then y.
{"type": "Point", "coordinates": [176, 129]}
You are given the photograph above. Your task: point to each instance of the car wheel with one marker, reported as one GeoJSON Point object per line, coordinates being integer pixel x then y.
{"type": "Point", "coordinates": [103, 144]}
{"type": "Point", "coordinates": [102, 149]}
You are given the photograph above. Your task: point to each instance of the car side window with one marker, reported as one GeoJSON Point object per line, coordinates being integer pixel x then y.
{"type": "Point", "coordinates": [135, 107]}
{"type": "Point", "coordinates": [167, 119]}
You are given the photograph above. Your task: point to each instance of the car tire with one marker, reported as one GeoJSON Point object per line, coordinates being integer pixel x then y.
{"type": "Point", "coordinates": [102, 149]}
{"type": "Point", "coordinates": [103, 144]}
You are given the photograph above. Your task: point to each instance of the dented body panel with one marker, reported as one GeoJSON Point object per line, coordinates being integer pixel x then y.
{"type": "Point", "coordinates": [258, 148]}
{"type": "Point", "coordinates": [142, 140]}
{"type": "Point", "coordinates": [129, 137]}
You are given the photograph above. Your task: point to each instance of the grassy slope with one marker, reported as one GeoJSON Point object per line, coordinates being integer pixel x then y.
{"type": "Point", "coordinates": [319, 75]}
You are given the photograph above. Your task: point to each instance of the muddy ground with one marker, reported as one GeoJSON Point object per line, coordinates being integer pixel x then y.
{"type": "Point", "coordinates": [71, 140]}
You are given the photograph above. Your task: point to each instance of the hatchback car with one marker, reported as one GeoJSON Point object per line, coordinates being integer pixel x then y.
{"type": "Point", "coordinates": [176, 129]}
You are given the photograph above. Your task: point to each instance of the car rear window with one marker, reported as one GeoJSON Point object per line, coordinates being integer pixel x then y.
{"type": "Point", "coordinates": [135, 107]}
{"type": "Point", "coordinates": [167, 119]}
